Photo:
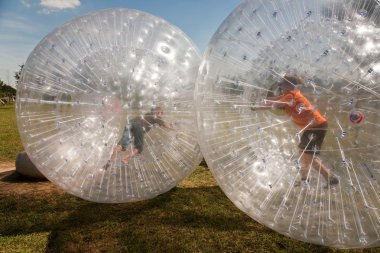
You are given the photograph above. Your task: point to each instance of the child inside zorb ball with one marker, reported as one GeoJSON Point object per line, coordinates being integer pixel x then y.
{"type": "Point", "coordinates": [132, 140]}
{"type": "Point", "coordinates": [313, 124]}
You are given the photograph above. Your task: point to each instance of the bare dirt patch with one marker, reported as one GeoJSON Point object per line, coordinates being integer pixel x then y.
{"type": "Point", "coordinates": [7, 166]}
{"type": "Point", "coordinates": [13, 183]}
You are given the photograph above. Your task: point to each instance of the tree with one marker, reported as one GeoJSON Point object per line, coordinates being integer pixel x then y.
{"type": "Point", "coordinates": [6, 93]}
{"type": "Point", "coordinates": [18, 73]}
{"type": "Point", "coordinates": [6, 90]}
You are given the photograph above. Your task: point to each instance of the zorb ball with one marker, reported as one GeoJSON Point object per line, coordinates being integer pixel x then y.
{"type": "Point", "coordinates": [287, 104]}
{"type": "Point", "coordinates": [105, 106]}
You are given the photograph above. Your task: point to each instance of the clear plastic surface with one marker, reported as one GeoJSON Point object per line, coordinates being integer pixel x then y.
{"type": "Point", "coordinates": [105, 106]}
{"type": "Point", "coordinates": [255, 136]}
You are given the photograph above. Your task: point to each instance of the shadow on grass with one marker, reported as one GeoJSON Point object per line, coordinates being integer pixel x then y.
{"type": "Point", "coordinates": [15, 177]}
{"type": "Point", "coordinates": [181, 220]}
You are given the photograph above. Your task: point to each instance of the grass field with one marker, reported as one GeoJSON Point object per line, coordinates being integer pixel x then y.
{"type": "Point", "coordinates": [10, 143]}
{"type": "Point", "coordinates": [194, 217]}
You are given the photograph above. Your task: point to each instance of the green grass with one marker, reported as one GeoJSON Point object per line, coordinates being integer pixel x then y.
{"type": "Point", "coordinates": [186, 219]}
{"type": "Point", "coordinates": [34, 242]}
{"type": "Point", "coordinates": [10, 142]}
{"type": "Point", "coordinates": [36, 217]}
{"type": "Point", "coordinates": [194, 217]}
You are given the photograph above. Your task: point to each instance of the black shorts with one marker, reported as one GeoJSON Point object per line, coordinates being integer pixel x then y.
{"type": "Point", "coordinates": [312, 139]}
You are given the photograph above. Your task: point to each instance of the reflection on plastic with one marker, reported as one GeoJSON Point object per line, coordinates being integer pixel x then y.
{"type": "Point", "coordinates": [83, 86]}
{"type": "Point", "coordinates": [298, 155]}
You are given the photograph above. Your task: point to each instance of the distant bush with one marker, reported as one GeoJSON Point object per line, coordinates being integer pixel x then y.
{"type": "Point", "coordinates": [6, 90]}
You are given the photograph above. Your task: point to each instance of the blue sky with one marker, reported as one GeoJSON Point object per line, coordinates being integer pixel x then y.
{"type": "Point", "coordinates": [23, 23]}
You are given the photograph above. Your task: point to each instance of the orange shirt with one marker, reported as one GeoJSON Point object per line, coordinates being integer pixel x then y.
{"type": "Point", "coordinates": [300, 109]}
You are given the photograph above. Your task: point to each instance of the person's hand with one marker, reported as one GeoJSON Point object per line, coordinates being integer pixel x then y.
{"type": "Point", "coordinates": [170, 126]}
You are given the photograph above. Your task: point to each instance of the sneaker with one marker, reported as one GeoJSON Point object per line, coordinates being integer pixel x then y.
{"type": "Point", "coordinates": [333, 180]}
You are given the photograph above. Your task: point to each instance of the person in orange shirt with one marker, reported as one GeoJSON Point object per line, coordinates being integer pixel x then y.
{"type": "Point", "coordinates": [309, 119]}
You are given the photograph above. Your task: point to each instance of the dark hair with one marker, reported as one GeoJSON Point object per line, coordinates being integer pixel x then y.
{"type": "Point", "coordinates": [290, 80]}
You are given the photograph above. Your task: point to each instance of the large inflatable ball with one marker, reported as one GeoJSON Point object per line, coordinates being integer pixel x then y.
{"type": "Point", "coordinates": [288, 114]}
{"type": "Point", "coordinates": [105, 106]}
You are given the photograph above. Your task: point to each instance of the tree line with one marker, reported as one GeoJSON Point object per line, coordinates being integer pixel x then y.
{"type": "Point", "coordinates": [7, 92]}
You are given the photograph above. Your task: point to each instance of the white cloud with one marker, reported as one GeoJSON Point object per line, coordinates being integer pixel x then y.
{"type": "Point", "coordinates": [13, 24]}
{"type": "Point", "coordinates": [19, 35]}
{"type": "Point", "coordinates": [26, 3]}
{"type": "Point", "coordinates": [18, 25]}
{"type": "Point", "coordinates": [46, 11]}
{"type": "Point", "coordinates": [58, 5]}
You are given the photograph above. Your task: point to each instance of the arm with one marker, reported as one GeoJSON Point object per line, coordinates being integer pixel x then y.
{"type": "Point", "coordinates": [164, 124]}
{"type": "Point", "coordinates": [278, 102]}
{"type": "Point", "coordinates": [275, 102]}
{"type": "Point", "coordinates": [259, 107]}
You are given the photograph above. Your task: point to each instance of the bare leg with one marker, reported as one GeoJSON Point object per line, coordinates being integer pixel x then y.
{"type": "Point", "coordinates": [307, 160]}
{"type": "Point", "coordinates": [319, 166]}
{"type": "Point", "coordinates": [114, 154]}
{"type": "Point", "coordinates": [129, 155]}
{"type": "Point", "coordinates": [116, 150]}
